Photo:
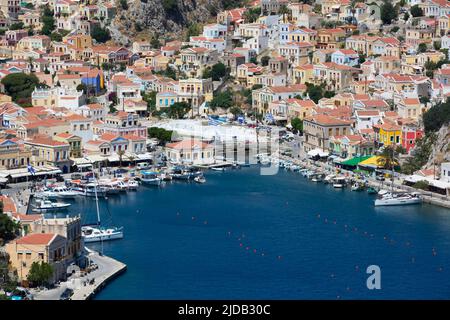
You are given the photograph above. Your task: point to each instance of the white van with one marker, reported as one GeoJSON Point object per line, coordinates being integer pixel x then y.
{"type": "Point", "coordinates": [143, 165]}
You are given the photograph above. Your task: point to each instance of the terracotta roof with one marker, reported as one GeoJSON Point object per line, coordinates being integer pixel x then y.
{"type": "Point", "coordinates": [188, 144]}
{"type": "Point", "coordinates": [37, 238]}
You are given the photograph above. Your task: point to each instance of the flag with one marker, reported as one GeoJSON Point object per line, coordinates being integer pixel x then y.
{"type": "Point", "coordinates": [31, 169]}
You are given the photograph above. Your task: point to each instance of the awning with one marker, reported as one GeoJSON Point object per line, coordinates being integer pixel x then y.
{"type": "Point", "coordinates": [371, 162]}
{"type": "Point", "coordinates": [144, 156]}
{"type": "Point", "coordinates": [81, 161]}
{"type": "Point", "coordinates": [318, 152]}
{"type": "Point", "coordinates": [355, 161]}
{"type": "Point", "coordinates": [114, 158]}
{"type": "Point", "coordinates": [96, 158]}
{"type": "Point", "coordinates": [20, 175]}
{"type": "Point", "coordinates": [3, 180]}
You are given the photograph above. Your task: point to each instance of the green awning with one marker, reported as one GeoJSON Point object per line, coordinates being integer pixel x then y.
{"type": "Point", "coordinates": [353, 162]}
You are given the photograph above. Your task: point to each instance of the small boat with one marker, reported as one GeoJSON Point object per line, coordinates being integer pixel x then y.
{"type": "Point", "coordinates": [372, 190]}
{"type": "Point", "coordinates": [329, 178]}
{"type": "Point", "coordinates": [94, 190]}
{"type": "Point", "coordinates": [64, 192]}
{"type": "Point", "coordinates": [357, 187]}
{"type": "Point", "coordinates": [150, 178]}
{"type": "Point", "coordinates": [92, 234]}
{"type": "Point", "coordinates": [132, 184]}
{"type": "Point", "coordinates": [317, 177]}
{"type": "Point", "coordinates": [46, 194]}
{"type": "Point", "coordinates": [200, 179]}
{"type": "Point", "coordinates": [47, 205]}
{"type": "Point", "coordinates": [398, 199]}
{"type": "Point", "coordinates": [339, 182]}
{"type": "Point", "coordinates": [218, 169]}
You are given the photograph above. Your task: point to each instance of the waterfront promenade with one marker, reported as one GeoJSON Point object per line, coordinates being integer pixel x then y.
{"type": "Point", "coordinates": [85, 287]}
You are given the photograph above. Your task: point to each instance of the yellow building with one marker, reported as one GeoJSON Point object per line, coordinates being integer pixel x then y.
{"type": "Point", "coordinates": [79, 41]}
{"type": "Point", "coordinates": [12, 155]}
{"type": "Point", "coordinates": [389, 134]}
{"type": "Point", "coordinates": [39, 247]}
{"type": "Point", "coordinates": [74, 142]}
{"type": "Point", "coordinates": [302, 74]}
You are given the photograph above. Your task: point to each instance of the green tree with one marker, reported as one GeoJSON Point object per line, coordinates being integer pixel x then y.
{"type": "Point", "coordinates": [120, 153]}
{"type": "Point", "coordinates": [416, 11]}
{"type": "Point", "coordinates": [48, 21]}
{"type": "Point", "coordinates": [218, 71]}
{"type": "Point", "coordinates": [124, 4]}
{"type": "Point", "coordinates": [387, 159]}
{"type": "Point", "coordinates": [40, 273]}
{"type": "Point", "coordinates": [437, 116]}
{"type": "Point", "coordinates": [265, 61]}
{"type": "Point", "coordinates": [252, 14]}
{"type": "Point", "coordinates": [178, 110]}
{"type": "Point", "coordinates": [8, 228]}
{"type": "Point", "coordinates": [100, 34]}
{"type": "Point", "coordinates": [16, 26]}
{"type": "Point", "coordinates": [236, 111]}
{"type": "Point", "coordinates": [388, 12]}
{"type": "Point", "coordinates": [20, 86]}
{"type": "Point", "coordinates": [150, 98]}
{"type": "Point", "coordinates": [161, 134]}
{"type": "Point", "coordinates": [297, 124]}
{"type": "Point", "coordinates": [222, 100]}
{"type": "Point", "coordinates": [422, 47]}
{"type": "Point", "coordinates": [406, 16]}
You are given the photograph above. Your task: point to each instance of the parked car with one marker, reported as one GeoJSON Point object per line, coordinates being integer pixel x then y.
{"type": "Point", "coordinates": [121, 170]}
{"type": "Point", "coordinates": [66, 294]}
{"type": "Point", "coordinates": [76, 176]}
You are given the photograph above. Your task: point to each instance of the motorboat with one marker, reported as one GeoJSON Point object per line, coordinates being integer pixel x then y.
{"type": "Point", "coordinates": [398, 199]}
{"type": "Point", "coordinates": [329, 178]}
{"type": "Point", "coordinates": [46, 194]}
{"type": "Point", "coordinates": [150, 178]}
{"type": "Point", "coordinates": [111, 187]}
{"type": "Point", "coordinates": [132, 184]}
{"type": "Point", "coordinates": [317, 177]}
{"type": "Point", "coordinates": [357, 187]}
{"type": "Point", "coordinates": [93, 234]}
{"type": "Point", "coordinates": [94, 190]}
{"type": "Point", "coordinates": [339, 182]}
{"type": "Point", "coordinates": [47, 205]}
{"type": "Point", "coordinates": [372, 190]}
{"type": "Point", "coordinates": [200, 179]}
{"type": "Point", "coordinates": [221, 169]}
{"type": "Point", "coordinates": [64, 192]}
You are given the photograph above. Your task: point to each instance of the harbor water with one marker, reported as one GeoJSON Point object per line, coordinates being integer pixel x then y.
{"type": "Point", "coordinates": [242, 235]}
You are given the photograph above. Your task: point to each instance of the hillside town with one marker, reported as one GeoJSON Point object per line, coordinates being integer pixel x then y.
{"type": "Point", "coordinates": [349, 80]}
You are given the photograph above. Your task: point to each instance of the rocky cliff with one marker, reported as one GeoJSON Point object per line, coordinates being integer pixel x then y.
{"type": "Point", "coordinates": [162, 18]}
{"type": "Point", "coordinates": [440, 149]}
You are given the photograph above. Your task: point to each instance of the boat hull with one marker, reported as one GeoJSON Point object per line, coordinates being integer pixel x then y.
{"type": "Point", "coordinates": [397, 202]}
{"type": "Point", "coordinates": [107, 237]}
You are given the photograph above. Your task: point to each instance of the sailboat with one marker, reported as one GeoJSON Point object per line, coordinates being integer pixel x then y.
{"type": "Point", "coordinates": [96, 234]}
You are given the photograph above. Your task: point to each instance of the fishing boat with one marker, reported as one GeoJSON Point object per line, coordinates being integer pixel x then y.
{"type": "Point", "coordinates": [47, 205]}
{"type": "Point", "coordinates": [339, 182]}
{"type": "Point", "coordinates": [150, 178]}
{"type": "Point", "coordinates": [200, 179]}
{"type": "Point", "coordinates": [398, 199]}
{"type": "Point", "coordinates": [98, 233]}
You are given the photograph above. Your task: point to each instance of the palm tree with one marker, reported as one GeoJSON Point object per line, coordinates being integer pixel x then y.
{"type": "Point", "coordinates": [387, 159]}
{"type": "Point", "coordinates": [284, 10]}
{"type": "Point", "coordinates": [132, 158]}
{"type": "Point", "coordinates": [120, 153]}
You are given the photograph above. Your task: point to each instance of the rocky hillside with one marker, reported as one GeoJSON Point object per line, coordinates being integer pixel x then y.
{"type": "Point", "coordinates": [440, 149]}
{"type": "Point", "coordinates": [162, 18]}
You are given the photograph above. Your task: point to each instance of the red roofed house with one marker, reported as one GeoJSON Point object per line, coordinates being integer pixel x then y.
{"type": "Point", "coordinates": [319, 128]}
{"type": "Point", "coordinates": [190, 151]}
{"type": "Point", "coordinates": [39, 247]}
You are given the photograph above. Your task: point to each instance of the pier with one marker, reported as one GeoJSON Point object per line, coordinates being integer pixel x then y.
{"type": "Point", "coordinates": [86, 286]}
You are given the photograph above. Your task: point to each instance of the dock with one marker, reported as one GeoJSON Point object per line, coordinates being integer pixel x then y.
{"type": "Point", "coordinates": [108, 269]}
{"type": "Point", "coordinates": [83, 287]}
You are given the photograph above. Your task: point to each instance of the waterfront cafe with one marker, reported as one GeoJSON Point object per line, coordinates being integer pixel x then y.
{"type": "Point", "coordinates": [438, 186]}
{"type": "Point", "coordinates": [22, 174]}
{"type": "Point", "coordinates": [352, 164]}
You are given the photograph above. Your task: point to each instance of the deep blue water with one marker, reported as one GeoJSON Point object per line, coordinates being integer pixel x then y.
{"type": "Point", "coordinates": [246, 236]}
